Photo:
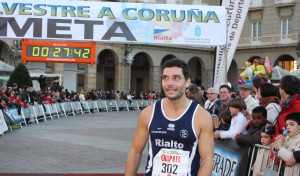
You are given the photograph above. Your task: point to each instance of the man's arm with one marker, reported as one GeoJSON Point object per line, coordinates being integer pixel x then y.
{"type": "Point", "coordinates": [138, 144]}
{"type": "Point", "coordinates": [206, 142]}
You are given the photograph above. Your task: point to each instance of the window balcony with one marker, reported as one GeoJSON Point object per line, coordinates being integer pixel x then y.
{"type": "Point", "coordinates": [256, 5]}
{"type": "Point", "coordinates": [282, 3]}
{"type": "Point", "coordinates": [264, 41]}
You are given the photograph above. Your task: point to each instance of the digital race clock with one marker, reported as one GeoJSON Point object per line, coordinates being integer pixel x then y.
{"type": "Point", "coordinates": [35, 51]}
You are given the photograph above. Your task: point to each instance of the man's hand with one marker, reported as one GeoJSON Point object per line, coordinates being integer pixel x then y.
{"type": "Point", "coordinates": [237, 138]}
{"type": "Point", "coordinates": [247, 115]}
{"type": "Point", "coordinates": [291, 161]}
{"type": "Point", "coordinates": [279, 140]}
{"type": "Point", "coordinates": [216, 122]}
{"type": "Point", "coordinates": [216, 134]}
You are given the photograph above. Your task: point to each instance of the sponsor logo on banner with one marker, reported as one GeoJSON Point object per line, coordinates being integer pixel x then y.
{"type": "Point", "coordinates": [198, 31]}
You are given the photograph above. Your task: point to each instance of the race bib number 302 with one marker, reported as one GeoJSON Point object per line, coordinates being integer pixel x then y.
{"type": "Point", "coordinates": [170, 162]}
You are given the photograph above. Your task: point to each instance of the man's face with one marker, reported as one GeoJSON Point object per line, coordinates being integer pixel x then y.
{"type": "Point", "coordinates": [256, 62]}
{"type": "Point", "coordinates": [201, 91]}
{"type": "Point", "coordinates": [174, 83]}
{"type": "Point", "coordinates": [258, 119]}
{"type": "Point", "coordinates": [225, 95]}
{"type": "Point", "coordinates": [211, 95]}
{"type": "Point", "coordinates": [244, 93]}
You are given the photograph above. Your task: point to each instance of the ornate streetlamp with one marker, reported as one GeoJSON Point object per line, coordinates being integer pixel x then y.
{"type": "Point", "coordinates": [128, 59]}
{"type": "Point", "coordinates": [16, 47]}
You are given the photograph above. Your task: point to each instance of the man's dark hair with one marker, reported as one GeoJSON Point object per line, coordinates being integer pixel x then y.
{"type": "Point", "coordinates": [260, 109]}
{"type": "Point", "coordinates": [239, 104]}
{"type": "Point", "coordinates": [193, 88]}
{"type": "Point", "coordinates": [290, 84]}
{"type": "Point", "coordinates": [259, 79]}
{"type": "Point", "coordinates": [225, 86]}
{"type": "Point", "coordinates": [202, 87]}
{"type": "Point", "coordinates": [268, 90]}
{"type": "Point", "coordinates": [294, 116]}
{"type": "Point", "coordinates": [226, 116]}
{"type": "Point", "coordinates": [175, 62]}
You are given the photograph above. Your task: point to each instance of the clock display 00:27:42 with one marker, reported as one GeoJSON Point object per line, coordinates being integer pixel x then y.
{"type": "Point", "coordinates": [58, 52]}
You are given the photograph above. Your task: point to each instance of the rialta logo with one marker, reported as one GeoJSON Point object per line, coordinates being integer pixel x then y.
{"type": "Point", "coordinates": [158, 33]}
{"type": "Point", "coordinates": [169, 144]}
{"type": "Point", "coordinates": [197, 31]}
{"type": "Point", "coordinates": [171, 127]}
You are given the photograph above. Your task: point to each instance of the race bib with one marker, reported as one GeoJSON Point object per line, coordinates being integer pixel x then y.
{"type": "Point", "coordinates": [170, 162]}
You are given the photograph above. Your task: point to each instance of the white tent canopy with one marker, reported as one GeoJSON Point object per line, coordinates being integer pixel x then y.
{"type": "Point", "coordinates": [280, 72]}
{"type": "Point", "coordinates": [6, 67]}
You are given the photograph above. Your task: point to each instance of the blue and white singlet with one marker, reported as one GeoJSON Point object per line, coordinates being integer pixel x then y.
{"type": "Point", "coordinates": [176, 133]}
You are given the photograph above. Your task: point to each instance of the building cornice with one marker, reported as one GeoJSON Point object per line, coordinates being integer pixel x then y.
{"type": "Point", "coordinates": [270, 47]}
{"type": "Point", "coordinates": [180, 48]}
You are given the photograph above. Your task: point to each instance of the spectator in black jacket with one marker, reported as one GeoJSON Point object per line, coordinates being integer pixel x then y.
{"type": "Point", "coordinates": [42, 81]}
{"type": "Point", "coordinates": [213, 104]}
{"type": "Point", "coordinates": [259, 115]}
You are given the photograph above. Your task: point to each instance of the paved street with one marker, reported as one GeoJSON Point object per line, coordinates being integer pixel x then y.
{"type": "Point", "coordinates": [92, 143]}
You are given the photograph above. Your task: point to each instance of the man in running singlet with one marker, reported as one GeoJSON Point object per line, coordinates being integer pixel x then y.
{"type": "Point", "coordinates": [178, 131]}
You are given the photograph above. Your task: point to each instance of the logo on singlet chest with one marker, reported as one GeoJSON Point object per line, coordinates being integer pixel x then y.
{"type": "Point", "coordinates": [169, 144]}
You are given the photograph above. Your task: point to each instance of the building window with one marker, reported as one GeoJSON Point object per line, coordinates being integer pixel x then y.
{"type": "Point", "coordinates": [286, 28]}
{"type": "Point", "coordinates": [49, 65]}
{"type": "Point", "coordinates": [256, 30]}
{"type": "Point", "coordinates": [80, 66]}
{"type": "Point", "coordinates": [80, 82]}
{"type": "Point", "coordinates": [287, 64]}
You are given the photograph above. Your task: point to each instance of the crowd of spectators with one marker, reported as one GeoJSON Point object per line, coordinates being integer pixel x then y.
{"type": "Point", "coordinates": [259, 116]}
{"type": "Point", "coordinates": [22, 96]}
{"type": "Point", "coordinates": [245, 117]}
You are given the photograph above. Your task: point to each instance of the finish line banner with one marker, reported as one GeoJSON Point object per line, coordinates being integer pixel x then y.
{"type": "Point", "coordinates": [113, 22]}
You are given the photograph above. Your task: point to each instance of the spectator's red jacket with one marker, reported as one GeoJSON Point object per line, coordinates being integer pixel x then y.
{"type": "Point", "coordinates": [293, 106]}
{"type": "Point", "coordinates": [25, 105]}
{"type": "Point", "coordinates": [49, 100]}
{"type": "Point", "coordinates": [14, 100]}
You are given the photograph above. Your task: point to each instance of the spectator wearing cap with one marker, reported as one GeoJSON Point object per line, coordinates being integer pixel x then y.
{"type": "Point", "coordinates": [245, 94]}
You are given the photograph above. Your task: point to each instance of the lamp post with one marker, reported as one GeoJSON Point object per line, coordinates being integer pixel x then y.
{"type": "Point", "coordinates": [298, 54]}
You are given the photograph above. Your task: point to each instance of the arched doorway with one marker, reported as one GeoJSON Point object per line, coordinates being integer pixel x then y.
{"type": "Point", "coordinates": [232, 75]}
{"type": "Point", "coordinates": [106, 70]}
{"type": "Point", "coordinates": [286, 62]}
{"type": "Point", "coordinates": [5, 53]}
{"type": "Point", "coordinates": [196, 70]}
{"type": "Point", "coordinates": [140, 73]}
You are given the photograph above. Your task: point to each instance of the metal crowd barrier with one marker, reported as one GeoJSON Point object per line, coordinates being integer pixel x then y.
{"type": "Point", "coordinates": [44, 112]}
{"type": "Point", "coordinates": [269, 167]}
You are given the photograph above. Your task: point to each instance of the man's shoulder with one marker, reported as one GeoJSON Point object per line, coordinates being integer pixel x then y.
{"type": "Point", "coordinates": [202, 114]}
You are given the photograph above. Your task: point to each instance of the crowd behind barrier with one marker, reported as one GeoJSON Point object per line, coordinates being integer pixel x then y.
{"type": "Point", "coordinates": [23, 106]}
